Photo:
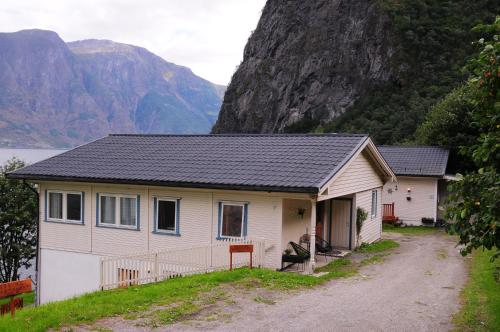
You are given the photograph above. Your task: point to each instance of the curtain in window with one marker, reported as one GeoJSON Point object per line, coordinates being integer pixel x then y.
{"type": "Point", "coordinates": [127, 211]}
{"type": "Point", "coordinates": [108, 209]}
{"type": "Point", "coordinates": [374, 203]}
{"type": "Point", "coordinates": [55, 205]}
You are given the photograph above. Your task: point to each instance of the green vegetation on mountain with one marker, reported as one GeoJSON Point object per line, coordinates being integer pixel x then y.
{"type": "Point", "coordinates": [434, 41]}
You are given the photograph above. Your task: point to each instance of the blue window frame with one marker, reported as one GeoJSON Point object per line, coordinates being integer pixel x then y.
{"type": "Point", "coordinates": [118, 211]}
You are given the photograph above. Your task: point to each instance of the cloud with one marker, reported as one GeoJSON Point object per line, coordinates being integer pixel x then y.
{"type": "Point", "coordinates": [207, 36]}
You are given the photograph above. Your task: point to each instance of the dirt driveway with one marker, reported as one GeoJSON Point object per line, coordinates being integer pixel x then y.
{"type": "Point", "coordinates": [415, 289]}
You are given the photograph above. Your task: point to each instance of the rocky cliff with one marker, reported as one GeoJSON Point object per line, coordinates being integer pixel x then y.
{"type": "Point", "coordinates": [57, 94]}
{"type": "Point", "coordinates": [371, 66]}
{"type": "Point", "coordinates": [307, 62]}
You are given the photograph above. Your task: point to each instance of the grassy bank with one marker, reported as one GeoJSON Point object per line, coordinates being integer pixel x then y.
{"type": "Point", "coordinates": [172, 300]}
{"type": "Point", "coordinates": [480, 296]}
{"type": "Point", "coordinates": [28, 299]}
{"type": "Point", "coordinates": [179, 298]}
{"type": "Point", "coordinates": [414, 230]}
{"type": "Point", "coordinates": [378, 246]}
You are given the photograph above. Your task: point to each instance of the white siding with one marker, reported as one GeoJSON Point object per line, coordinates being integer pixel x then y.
{"type": "Point", "coordinates": [423, 198]}
{"type": "Point", "coordinates": [74, 237]}
{"type": "Point", "coordinates": [360, 175]}
{"type": "Point", "coordinates": [198, 221]}
{"type": "Point", "coordinates": [372, 226]}
{"type": "Point", "coordinates": [66, 274]}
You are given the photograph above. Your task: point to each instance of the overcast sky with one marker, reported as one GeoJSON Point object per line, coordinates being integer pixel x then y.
{"type": "Point", "coordinates": [206, 35]}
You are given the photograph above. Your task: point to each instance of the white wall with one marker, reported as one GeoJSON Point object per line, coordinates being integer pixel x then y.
{"type": "Point", "coordinates": [198, 224]}
{"type": "Point", "coordinates": [423, 203]}
{"type": "Point", "coordinates": [372, 226]}
{"type": "Point", "coordinates": [65, 274]}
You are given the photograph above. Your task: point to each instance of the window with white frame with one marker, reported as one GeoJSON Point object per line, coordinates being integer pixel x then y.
{"type": "Point", "coordinates": [374, 203]}
{"type": "Point", "coordinates": [118, 210]}
{"type": "Point", "coordinates": [64, 206]}
{"type": "Point", "coordinates": [233, 218]}
{"type": "Point", "coordinates": [166, 215]}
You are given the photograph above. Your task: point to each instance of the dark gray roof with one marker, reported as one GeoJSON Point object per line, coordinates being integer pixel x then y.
{"type": "Point", "coordinates": [416, 160]}
{"type": "Point", "coordinates": [295, 163]}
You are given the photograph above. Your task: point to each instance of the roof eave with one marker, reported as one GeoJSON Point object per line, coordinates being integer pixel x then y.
{"type": "Point", "coordinates": [180, 184]}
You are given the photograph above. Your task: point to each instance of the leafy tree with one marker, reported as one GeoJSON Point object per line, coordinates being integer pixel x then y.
{"type": "Point", "coordinates": [432, 42]}
{"type": "Point", "coordinates": [475, 197]}
{"type": "Point", "coordinates": [450, 124]}
{"type": "Point", "coordinates": [18, 220]}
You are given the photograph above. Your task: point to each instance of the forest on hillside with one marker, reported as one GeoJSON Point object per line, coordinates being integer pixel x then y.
{"type": "Point", "coordinates": [435, 41]}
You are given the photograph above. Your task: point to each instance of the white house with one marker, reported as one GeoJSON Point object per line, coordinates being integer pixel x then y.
{"type": "Point", "coordinates": [421, 182]}
{"type": "Point", "coordinates": [134, 194]}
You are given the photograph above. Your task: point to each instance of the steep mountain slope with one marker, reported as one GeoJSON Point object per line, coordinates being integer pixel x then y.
{"type": "Point", "coordinates": [363, 65]}
{"type": "Point", "coordinates": [55, 94]}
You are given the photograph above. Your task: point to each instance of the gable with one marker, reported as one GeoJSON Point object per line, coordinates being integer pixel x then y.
{"type": "Point", "coordinates": [361, 174]}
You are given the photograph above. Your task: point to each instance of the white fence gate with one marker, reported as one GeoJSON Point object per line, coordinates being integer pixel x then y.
{"type": "Point", "coordinates": [129, 270]}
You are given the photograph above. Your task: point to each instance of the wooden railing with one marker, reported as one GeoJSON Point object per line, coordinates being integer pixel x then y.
{"type": "Point", "coordinates": [388, 212]}
{"type": "Point", "coordinates": [129, 270]}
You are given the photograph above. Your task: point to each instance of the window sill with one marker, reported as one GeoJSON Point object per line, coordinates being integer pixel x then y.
{"type": "Point", "coordinates": [166, 233]}
{"type": "Point", "coordinates": [66, 222]}
{"type": "Point", "coordinates": [118, 227]}
{"type": "Point", "coordinates": [230, 238]}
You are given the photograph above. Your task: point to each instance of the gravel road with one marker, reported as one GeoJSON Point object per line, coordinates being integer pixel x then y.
{"type": "Point", "coordinates": [415, 289]}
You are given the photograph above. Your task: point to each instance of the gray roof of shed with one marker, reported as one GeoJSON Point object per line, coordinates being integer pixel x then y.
{"type": "Point", "coordinates": [294, 163]}
{"type": "Point", "coordinates": [416, 160]}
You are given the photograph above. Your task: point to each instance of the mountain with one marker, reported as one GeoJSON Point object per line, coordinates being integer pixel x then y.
{"type": "Point", "coordinates": [57, 94]}
{"type": "Point", "coordinates": [373, 66]}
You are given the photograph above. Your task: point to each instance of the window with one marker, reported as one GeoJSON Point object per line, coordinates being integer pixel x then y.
{"type": "Point", "coordinates": [55, 205]}
{"type": "Point", "coordinates": [166, 215]}
{"type": "Point", "coordinates": [118, 211]}
{"type": "Point", "coordinates": [374, 203]}
{"type": "Point", "coordinates": [65, 206]}
{"type": "Point", "coordinates": [232, 220]}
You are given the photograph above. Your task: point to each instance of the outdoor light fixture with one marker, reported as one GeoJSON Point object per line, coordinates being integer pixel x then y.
{"type": "Point", "coordinates": [408, 196]}
{"type": "Point", "coordinates": [301, 212]}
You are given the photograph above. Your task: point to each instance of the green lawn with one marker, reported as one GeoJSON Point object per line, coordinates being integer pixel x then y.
{"type": "Point", "coordinates": [28, 299]}
{"type": "Point", "coordinates": [417, 230]}
{"type": "Point", "coordinates": [378, 246]}
{"type": "Point", "coordinates": [180, 297]}
{"type": "Point", "coordinates": [480, 296]}
{"type": "Point", "coordinates": [338, 268]}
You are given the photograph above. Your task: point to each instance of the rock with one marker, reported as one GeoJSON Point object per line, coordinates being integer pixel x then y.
{"type": "Point", "coordinates": [306, 63]}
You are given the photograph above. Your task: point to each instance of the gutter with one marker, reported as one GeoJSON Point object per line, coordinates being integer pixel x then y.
{"type": "Point", "coordinates": [37, 261]}
{"type": "Point", "coordinates": [178, 184]}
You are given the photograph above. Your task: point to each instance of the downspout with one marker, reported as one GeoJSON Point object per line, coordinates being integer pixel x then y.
{"type": "Point", "coordinates": [37, 261]}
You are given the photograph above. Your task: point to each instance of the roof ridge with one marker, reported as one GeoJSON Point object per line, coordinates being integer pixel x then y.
{"type": "Point", "coordinates": [411, 146]}
{"type": "Point", "coordinates": [245, 135]}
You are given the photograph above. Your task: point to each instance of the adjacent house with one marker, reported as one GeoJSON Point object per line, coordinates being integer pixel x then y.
{"type": "Point", "coordinates": [130, 194]}
{"type": "Point", "coordinates": [421, 185]}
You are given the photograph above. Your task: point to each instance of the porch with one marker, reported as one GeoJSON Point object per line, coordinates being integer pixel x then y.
{"type": "Point", "coordinates": [328, 224]}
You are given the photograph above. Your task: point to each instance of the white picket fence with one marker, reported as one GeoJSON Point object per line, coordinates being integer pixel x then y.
{"type": "Point", "coordinates": [123, 271]}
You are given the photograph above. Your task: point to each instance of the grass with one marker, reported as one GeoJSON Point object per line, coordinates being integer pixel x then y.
{"type": "Point", "coordinates": [480, 296]}
{"type": "Point", "coordinates": [412, 230]}
{"type": "Point", "coordinates": [338, 268]}
{"type": "Point", "coordinates": [28, 299]}
{"type": "Point", "coordinates": [178, 296]}
{"type": "Point", "coordinates": [378, 246]}
{"type": "Point", "coordinates": [169, 301]}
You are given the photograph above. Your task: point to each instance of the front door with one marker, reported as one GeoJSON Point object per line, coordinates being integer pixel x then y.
{"type": "Point", "coordinates": [341, 222]}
